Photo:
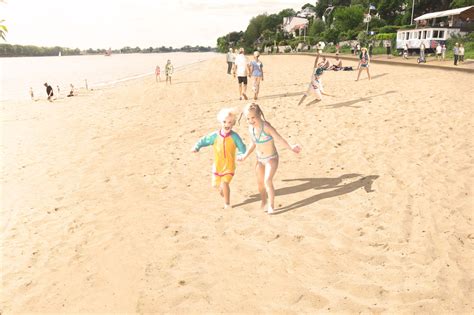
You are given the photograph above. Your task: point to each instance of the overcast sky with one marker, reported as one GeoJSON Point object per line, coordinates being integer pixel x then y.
{"type": "Point", "coordinates": [117, 23]}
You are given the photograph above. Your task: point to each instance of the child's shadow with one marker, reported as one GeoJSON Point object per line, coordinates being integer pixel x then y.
{"type": "Point", "coordinates": [335, 184]}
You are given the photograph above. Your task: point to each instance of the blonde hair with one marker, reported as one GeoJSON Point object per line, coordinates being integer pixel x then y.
{"type": "Point", "coordinates": [227, 112]}
{"type": "Point", "coordinates": [256, 53]}
{"type": "Point", "coordinates": [253, 107]}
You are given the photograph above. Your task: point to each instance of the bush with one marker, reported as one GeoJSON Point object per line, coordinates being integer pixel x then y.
{"type": "Point", "coordinates": [386, 36]}
{"type": "Point", "coordinates": [388, 29]}
{"type": "Point", "coordinates": [287, 49]}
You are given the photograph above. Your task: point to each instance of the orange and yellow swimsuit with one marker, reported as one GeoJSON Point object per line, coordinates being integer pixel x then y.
{"type": "Point", "coordinates": [224, 147]}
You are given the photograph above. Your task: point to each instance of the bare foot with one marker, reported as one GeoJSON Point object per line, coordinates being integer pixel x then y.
{"type": "Point", "coordinates": [263, 206]}
{"type": "Point", "coordinates": [245, 96]}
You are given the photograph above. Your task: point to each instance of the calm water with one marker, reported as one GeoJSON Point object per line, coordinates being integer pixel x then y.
{"type": "Point", "coordinates": [19, 74]}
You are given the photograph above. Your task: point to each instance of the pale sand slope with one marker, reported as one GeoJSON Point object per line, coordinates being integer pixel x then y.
{"type": "Point", "coordinates": [104, 208]}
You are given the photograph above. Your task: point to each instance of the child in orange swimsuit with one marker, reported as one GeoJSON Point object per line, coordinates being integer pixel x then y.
{"type": "Point", "coordinates": [224, 142]}
{"type": "Point", "coordinates": [263, 136]}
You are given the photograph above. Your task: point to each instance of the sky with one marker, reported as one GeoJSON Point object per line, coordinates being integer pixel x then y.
{"type": "Point", "coordinates": [118, 23]}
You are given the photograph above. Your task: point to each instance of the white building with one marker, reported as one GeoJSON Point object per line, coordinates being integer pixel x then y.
{"type": "Point", "coordinates": [293, 23]}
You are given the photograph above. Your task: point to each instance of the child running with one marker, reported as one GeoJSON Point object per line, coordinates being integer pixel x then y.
{"type": "Point", "coordinates": [263, 139]}
{"type": "Point", "coordinates": [316, 84]}
{"type": "Point", "coordinates": [224, 142]}
{"type": "Point", "coordinates": [256, 70]}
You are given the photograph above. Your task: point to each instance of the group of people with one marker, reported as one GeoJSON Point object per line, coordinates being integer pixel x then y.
{"type": "Point", "coordinates": [228, 146]}
{"type": "Point", "coordinates": [226, 142]}
{"type": "Point", "coordinates": [440, 51]}
{"type": "Point", "coordinates": [169, 69]}
{"type": "Point", "coordinates": [240, 67]}
{"type": "Point", "coordinates": [50, 92]}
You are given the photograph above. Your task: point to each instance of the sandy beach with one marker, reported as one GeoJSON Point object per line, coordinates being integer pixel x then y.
{"type": "Point", "coordinates": [104, 208]}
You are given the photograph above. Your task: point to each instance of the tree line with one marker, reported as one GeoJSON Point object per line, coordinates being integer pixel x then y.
{"type": "Point", "coordinates": [335, 21]}
{"type": "Point", "coordinates": [7, 50]}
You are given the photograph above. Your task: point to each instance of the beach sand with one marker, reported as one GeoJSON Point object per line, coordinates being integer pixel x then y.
{"type": "Point", "coordinates": [104, 208]}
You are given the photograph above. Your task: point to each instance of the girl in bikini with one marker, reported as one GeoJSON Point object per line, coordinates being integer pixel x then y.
{"type": "Point", "coordinates": [263, 139]}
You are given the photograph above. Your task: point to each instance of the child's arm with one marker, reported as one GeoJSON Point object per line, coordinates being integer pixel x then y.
{"type": "Point", "coordinates": [272, 131]}
{"type": "Point", "coordinates": [204, 142]}
{"type": "Point", "coordinates": [316, 61]}
{"type": "Point", "coordinates": [238, 143]}
{"type": "Point", "coordinates": [249, 151]}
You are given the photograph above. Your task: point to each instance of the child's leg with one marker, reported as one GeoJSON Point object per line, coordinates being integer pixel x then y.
{"type": "Point", "coordinates": [226, 193]}
{"type": "Point", "coordinates": [270, 170]}
{"type": "Point", "coordinates": [260, 172]}
{"type": "Point", "coordinates": [358, 74]}
{"type": "Point", "coordinates": [244, 91]}
{"type": "Point", "coordinates": [368, 72]}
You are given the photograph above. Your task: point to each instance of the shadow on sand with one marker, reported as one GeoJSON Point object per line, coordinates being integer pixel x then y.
{"type": "Point", "coordinates": [335, 184]}
{"type": "Point", "coordinates": [352, 102]}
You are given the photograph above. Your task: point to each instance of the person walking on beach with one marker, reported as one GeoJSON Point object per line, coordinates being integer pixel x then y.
{"type": "Point", "coordinates": [263, 137]}
{"type": "Point", "coordinates": [49, 92]}
{"type": "Point", "coordinates": [230, 57]}
{"type": "Point", "coordinates": [168, 71]}
{"type": "Point", "coordinates": [32, 95]}
{"type": "Point", "coordinates": [241, 70]}
{"type": "Point", "coordinates": [364, 61]}
{"type": "Point", "coordinates": [224, 143]}
{"type": "Point", "coordinates": [443, 52]}
{"type": "Point", "coordinates": [371, 47]}
{"type": "Point", "coordinates": [438, 52]}
{"type": "Point", "coordinates": [405, 51]}
{"type": "Point", "coordinates": [157, 73]}
{"type": "Point", "coordinates": [422, 51]}
{"type": "Point", "coordinates": [256, 70]}
{"type": "Point", "coordinates": [461, 53]}
{"type": "Point", "coordinates": [456, 53]}
{"type": "Point", "coordinates": [388, 46]}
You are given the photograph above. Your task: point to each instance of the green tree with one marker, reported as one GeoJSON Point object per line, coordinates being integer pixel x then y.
{"type": "Point", "coordinates": [316, 28]}
{"type": "Point", "coordinates": [461, 3]}
{"type": "Point", "coordinates": [348, 18]}
{"type": "Point", "coordinates": [3, 30]}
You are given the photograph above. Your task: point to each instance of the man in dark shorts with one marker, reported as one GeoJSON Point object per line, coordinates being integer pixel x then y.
{"type": "Point", "coordinates": [49, 92]}
{"type": "Point", "coordinates": [241, 70]}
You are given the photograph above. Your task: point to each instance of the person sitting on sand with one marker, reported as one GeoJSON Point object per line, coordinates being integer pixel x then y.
{"type": "Point", "coordinates": [337, 64]}
{"type": "Point", "coordinates": [364, 61]}
{"type": "Point", "coordinates": [71, 92]}
{"type": "Point", "coordinates": [224, 142]}
{"type": "Point", "coordinates": [325, 64]}
{"type": "Point", "coordinates": [263, 140]}
{"type": "Point", "coordinates": [49, 92]}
